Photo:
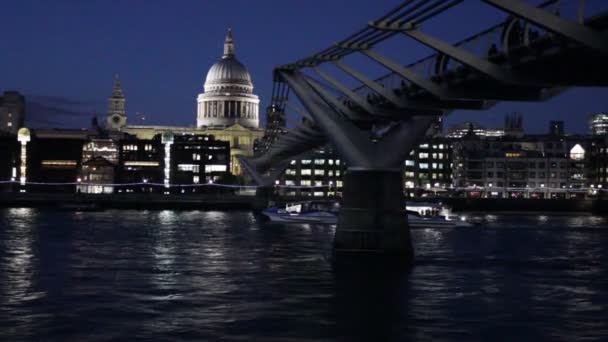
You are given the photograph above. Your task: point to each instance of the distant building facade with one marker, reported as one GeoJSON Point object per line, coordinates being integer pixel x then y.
{"type": "Point", "coordinates": [460, 130]}
{"type": "Point", "coordinates": [532, 166]}
{"type": "Point", "coordinates": [318, 174]}
{"type": "Point", "coordinates": [429, 167]}
{"type": "Point", "coordinates": [598, 124]}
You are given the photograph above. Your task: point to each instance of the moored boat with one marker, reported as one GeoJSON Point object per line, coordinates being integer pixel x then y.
{"type": "Point", "coordinates": [324, 213]}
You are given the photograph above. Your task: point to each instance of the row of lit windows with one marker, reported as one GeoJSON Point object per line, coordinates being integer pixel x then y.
{"type": "Point", "coordinates": [315, 193]}
{"type": "Point", "coordinates": [541, 165]}
{"type": "Point", "coordinates": [310, 183]}
{"type": "Point", "coordinates": [318, 162]}
{"type": "Point", "coordinates": [424, 166]}
{"type": "Point", "coordinates": [308, 172]}
{"type": "Point", "coordinates": [534, 175]}
{"type": "Point", "coordinates": [196, 168]}
{"type": "Point", "coordinates": [410, 174]}
{"type": "Point", "coordinates": [425, 155]}
{"type": "Point", "coordinates": [529, 185]}
{"type": "Point", "coordinates": [434, 146]}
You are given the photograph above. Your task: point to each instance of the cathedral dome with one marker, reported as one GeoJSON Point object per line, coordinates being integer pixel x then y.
{"type": "Point", "coordinates": [228, 71]}
{"type": "Point", "coordinates": [228, 98]}
{"type": "Point", "coordinates": [228, 74]}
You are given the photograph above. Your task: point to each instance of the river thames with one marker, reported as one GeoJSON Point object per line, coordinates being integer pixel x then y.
{"type": "Point", "coordinates": [210, 275]}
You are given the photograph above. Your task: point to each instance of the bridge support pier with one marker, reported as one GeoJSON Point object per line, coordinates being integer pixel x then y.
{"type": "Point", "coordinates": [372, 220]}
{"type": "Point", "coordinates": [263, 195]}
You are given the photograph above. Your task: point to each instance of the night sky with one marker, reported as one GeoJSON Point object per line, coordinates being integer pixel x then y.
{"type": "Point", "coordinates": [62, 54]}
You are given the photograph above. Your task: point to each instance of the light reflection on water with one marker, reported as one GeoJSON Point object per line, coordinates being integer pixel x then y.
{"type": "Point", "coordinates": [209, 275]}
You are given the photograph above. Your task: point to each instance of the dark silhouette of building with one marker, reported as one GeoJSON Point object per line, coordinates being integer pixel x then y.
{"type": "Point", "coordinates": [12, 112]}
{"type": "Point", "coordinates": [556, 128]}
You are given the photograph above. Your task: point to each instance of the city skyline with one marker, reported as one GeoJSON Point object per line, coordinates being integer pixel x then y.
{"type": "Point", "coordinates": [64, 59]}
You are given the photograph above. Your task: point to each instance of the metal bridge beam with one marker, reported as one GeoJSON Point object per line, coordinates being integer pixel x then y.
{"type": "Point", "coordinates": [360, 101]}
{"type": "Point", "coordinates": [352, 144]}
{"type": "Point", "coordinates": [377, 112]}
{"type": "Point", "coordinates": [299, 111]}
{"type": "Point", "coordinates": [468, 58]}
{"type": "Point", "coordinates": [386, 93]}
{"type": "Point", "coordinates": [459, 97]}
{"type": "Point", "coordinates": [576, 32]}
{"type": "Point", "coordinates": [349, 113]}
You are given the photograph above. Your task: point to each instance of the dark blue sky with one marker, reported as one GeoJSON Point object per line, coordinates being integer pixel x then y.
{"type": "Point", "coordinates": [63, 53]}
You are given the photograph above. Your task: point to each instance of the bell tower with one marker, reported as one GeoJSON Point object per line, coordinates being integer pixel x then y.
{"type": "Point", "coordinates": [116, 117]}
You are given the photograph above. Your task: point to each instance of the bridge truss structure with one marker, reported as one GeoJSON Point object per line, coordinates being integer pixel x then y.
{"type": "Point", "coordinates": [537, 52]}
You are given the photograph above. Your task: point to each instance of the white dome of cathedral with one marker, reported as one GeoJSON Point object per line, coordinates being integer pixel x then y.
{"type": "Point", "coordinates": [228, 72]}
{"type": "Point", "coordinates": [228, 98]}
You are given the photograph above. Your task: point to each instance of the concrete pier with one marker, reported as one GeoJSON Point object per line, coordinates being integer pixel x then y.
{"type": "Point", "coordinates": [372, 218]}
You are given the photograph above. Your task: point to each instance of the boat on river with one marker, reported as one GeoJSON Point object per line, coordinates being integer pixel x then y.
{"type": "Point", "coordinates": [327, 213]}
{"type": "Point", "coordinates": [304, 212]}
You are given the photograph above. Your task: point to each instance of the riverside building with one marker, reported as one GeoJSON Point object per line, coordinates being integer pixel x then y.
{"type": "Point", "coordinates": [318, 174]}
{"type": "Point", "coordinates": [428, 168]}
{"type": "Point", "coordinates": [530, 166]}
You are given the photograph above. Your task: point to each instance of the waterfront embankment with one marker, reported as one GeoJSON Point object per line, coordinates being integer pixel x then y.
{"type": "Point", "coordinates": [127, 201]}
{"type": "Point", "coordinates": [227, 201]}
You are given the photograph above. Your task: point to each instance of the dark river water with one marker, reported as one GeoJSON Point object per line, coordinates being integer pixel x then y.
{"type": "Point", "coordinates": [205, 276]}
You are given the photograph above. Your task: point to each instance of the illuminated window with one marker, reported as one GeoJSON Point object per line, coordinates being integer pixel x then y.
{"type": "Point", "coordinates": [215, 168]}
{"type": "Point", "coordinates": [196, 156]}
{"type": "Point", "coordinates": [306, 172]}
{"type": "Point", "coordinates": [189, 168]}
{"type": "Point", "coordinates": [410, 163]}
{"type": "Point", "coordinates": [319, 161]}
{"type": "Point", "coordinates": [142, 163]}
{"type": "Point", "coordinates": [306, 162]}
{"type": "Point", "coordinates": [319, 172]}
{"type": "Point", "coordinates": [424, 165]}
{"type": "Point", "coordinates": [423, 155]}
{"type": "Point", "coordinates": [577, 152]}
{"type": "Point", "coordinates": [305, 182]}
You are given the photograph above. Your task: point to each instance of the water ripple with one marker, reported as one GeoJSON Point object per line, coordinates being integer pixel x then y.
{"type": "Point", "coordinates": [209, 275]}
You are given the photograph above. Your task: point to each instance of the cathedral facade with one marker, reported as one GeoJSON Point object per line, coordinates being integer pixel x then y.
{"type": "Point", "coordinates": [227, 109]}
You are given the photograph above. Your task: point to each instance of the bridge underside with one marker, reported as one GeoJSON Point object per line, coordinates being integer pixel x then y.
{"type": "Point", "coordinates": [374, 127]}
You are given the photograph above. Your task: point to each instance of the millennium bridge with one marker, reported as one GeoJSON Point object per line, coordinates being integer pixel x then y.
{"type": "Point", "coordinates": [539, 50]}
